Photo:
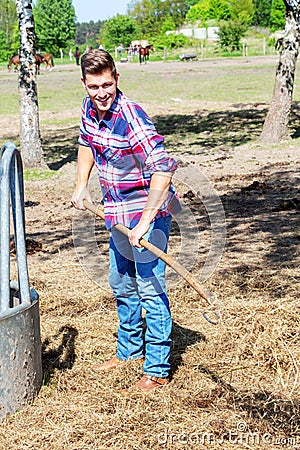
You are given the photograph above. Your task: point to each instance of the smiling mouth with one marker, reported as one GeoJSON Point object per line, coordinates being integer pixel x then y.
{"type": "Point", "coordinates": [103, 100]}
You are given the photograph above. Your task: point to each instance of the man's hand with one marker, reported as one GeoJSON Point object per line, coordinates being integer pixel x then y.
{"type": "Point", "coordinates": [159, 188]}
{"type": "Point", "coordinates": [85, 164]}
{"type": "Point", "coordinates": [81, 193]}
{"type": "Point", "coordinates": [138, 232]}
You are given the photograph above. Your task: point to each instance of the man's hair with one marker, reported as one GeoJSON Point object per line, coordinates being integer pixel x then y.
{"type": "Point", "coordinates": [96, 61]}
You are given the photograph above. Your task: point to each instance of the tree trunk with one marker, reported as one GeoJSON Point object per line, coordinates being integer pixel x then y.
{"type": "Point", "coordinates": [276, 126]}
{"type": "Point", "coordinates": [30, 139]}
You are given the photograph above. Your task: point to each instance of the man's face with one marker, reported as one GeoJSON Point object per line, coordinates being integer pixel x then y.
{"type": "Point", "coordinates": [102, 90]}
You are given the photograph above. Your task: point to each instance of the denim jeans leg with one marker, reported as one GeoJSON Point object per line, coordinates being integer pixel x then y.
{"type": "Point", "coordinates": [150, 276]}
{"type": "Point", "coordinates": [123, 283]}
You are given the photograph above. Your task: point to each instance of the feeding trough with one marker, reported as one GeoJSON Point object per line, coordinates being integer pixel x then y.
{"type": "Point", "coordinates": [20, 343]}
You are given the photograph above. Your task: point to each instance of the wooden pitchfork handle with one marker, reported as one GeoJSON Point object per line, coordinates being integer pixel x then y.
{"type": "Point", "coordinates": [175, 265]}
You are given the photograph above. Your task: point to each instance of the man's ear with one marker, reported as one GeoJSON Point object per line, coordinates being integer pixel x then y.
{"type": "Point", "coordinates": [117, 78]}
{"type": "Point", "coordinates": [83, 82]}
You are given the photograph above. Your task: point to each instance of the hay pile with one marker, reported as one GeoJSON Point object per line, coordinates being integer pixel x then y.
{"type": "Point", "coordinates": [234, 385]}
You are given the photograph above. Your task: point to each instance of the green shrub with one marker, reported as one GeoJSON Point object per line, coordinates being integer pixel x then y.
{"type": "Point", "coordinates": [171, 41]}
{"type": "Point", "coordinates": [231, 33]}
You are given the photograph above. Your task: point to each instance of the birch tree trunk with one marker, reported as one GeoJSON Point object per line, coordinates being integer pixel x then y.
{"type": "Point", "coordinates": [276, 126]}
{"type": "Point", "coordinates": [30, 139]}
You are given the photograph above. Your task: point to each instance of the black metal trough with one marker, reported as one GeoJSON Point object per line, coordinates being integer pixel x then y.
{"type": "Point", "coordinates": [20, 343]}
{"type": "Point", "coordinates": [187, 56]}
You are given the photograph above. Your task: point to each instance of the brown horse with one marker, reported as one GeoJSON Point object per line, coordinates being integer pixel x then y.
{"type": "Point", "coordinates": [15, 60]}
{"type": "Point", "coordinates": [38, 60]}
{"type": "Point", "coordinates": [48, 59]}
{"type": "Point", "coordinates": [144, 53]}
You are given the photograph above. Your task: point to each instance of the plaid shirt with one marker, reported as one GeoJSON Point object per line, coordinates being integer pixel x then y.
{"type": "Point", "coordinates": [127, 150]}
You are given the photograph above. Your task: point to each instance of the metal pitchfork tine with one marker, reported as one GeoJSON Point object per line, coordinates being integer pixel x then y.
{"type": "Point", "coordinates": [175, 265]}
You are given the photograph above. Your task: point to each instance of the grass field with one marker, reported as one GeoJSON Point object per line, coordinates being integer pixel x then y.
{"type": "Point", "coordinates": [234, 385]}
{"type": "Point", "coordinates": [228, 85]}
{"type": "Point", "coordinates": [216, 80]}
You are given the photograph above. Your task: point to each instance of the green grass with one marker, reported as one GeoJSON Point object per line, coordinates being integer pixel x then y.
{"type": "Point", "coordinates": [35, 174]}
{"type": "Point", "coordinates": [57, 90]}
{"type": "Point", "coordinates": [220, 81]}
{"type": "Point", "coordinates": [62, 122]}
{"type": "Point", "coordinates": [232, 83]}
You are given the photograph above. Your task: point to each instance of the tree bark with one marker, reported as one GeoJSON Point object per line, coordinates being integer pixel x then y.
{"type": "Point", "coordinates": [276, 126]}
{"type": "Point", "coordinates": [30, 139]}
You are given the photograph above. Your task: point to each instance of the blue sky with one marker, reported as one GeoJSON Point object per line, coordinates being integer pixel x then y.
{"type": "Point", "coordinates": [87, 10]}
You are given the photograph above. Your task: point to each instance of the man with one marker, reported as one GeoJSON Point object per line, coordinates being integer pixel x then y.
{"type": "Point", "coordinates": [77, 55]}
{"type": "Point", "coordinates": [135, 175]}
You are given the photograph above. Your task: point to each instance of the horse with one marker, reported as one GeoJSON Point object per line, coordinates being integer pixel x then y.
{"type": "Point", "coordinates": [144, 53]}
{"type": "Point", "coordinates": [38, 60]}
{"type": "Point", "coordinates": [48, 59]}
{"type": "Point", "coordinates": [15, 60]}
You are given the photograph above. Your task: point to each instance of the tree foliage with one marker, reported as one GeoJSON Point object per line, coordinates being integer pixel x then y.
{"type": "Point", "coordinates": [231, 33]}
{"type": "Point", "coordinates": [87, 33]}
{"type": "Point", "coordinates": [56, 27]}
{"type": "Point", "coordinates": [191, 2]}
{"type": "Point", "coordinates": [209, 9]}
{"type": "Point", "coordinates": [55, 24]}
{"type": "Point", "coordinates": [277, 15]}
{"type": "Point", "coordinates": [261, 14]}
{"type": "Point", "coordinates": [240, 10]}
{"type": "Point", "coordinates": [178, 10]}
{"type": "Point", "coordinates": [8, 25]}
{"type": "Point", "coordinates": [171, 41]}
{"type": "Point", "coordinates": [150, 14]}
{"type": "Point", "coordinates": [118, 30]}
{"type": "Point", "coordinates": [168, 24]}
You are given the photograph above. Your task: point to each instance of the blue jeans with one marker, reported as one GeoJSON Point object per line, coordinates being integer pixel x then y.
{"type": "Point", "coordinates": [137, 279]}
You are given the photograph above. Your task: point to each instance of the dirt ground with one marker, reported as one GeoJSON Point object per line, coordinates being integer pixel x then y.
{"type": "Point", "coordinates": [233, 385]}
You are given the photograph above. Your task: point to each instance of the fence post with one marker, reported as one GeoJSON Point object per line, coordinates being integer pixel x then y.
{"type": "Point", "coordinates": [165, 54]}
{"type": "Point", "coordinates": [264, 45]}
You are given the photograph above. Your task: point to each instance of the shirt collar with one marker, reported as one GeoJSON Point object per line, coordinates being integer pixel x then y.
{"type": "Point", "coordinates": [110, 116]}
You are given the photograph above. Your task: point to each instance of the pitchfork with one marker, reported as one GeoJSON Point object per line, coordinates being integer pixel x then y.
{"type": "Point", "coordinates": [175, 265]}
